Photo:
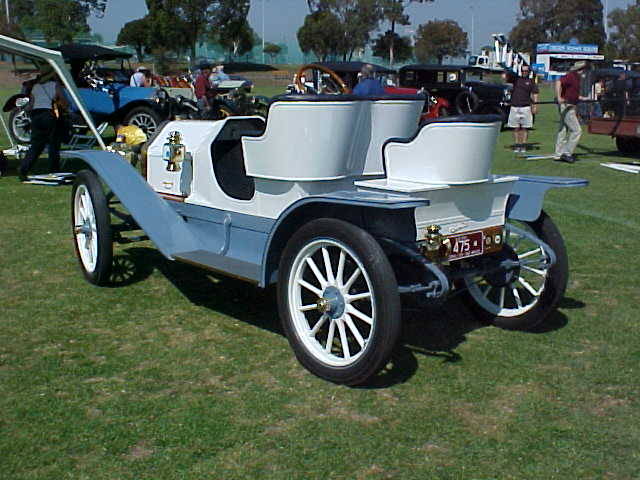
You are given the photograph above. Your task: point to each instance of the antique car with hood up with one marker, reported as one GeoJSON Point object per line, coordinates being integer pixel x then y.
{"type": "Point", "coordinates": [344, 202]}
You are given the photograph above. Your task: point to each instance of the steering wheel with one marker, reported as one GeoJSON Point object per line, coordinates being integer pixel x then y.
{"type": "Point", "coordinates": [339, 83]}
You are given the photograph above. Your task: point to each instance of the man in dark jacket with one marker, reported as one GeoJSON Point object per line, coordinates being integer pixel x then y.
{"type": "Point", "coordinates": [523, 108]}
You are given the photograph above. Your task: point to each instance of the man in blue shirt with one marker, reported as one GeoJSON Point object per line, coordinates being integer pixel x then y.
{"type": "Point", "coordinates": [367, 84]}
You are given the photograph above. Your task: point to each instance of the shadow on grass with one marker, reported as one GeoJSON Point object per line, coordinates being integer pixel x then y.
{"type": "Point", "coordinates": [228, 296]}
{"type": "Point", "coordinates": [434, 331]}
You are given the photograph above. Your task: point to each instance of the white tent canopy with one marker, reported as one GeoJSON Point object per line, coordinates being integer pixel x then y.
{"type": "Point", "coordinates": [41, 55]}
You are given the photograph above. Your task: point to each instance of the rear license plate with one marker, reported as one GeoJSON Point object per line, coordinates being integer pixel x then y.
{"type": "Point", "coordinates": [466, 245]}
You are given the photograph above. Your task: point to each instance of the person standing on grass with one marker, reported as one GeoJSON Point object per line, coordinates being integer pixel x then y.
{"type": "Point", "coordinates": [523, 107]}
{"type": "Point", "coordinates": [568, 95]}
{"type": "Point", "coordinates": [46, 99]}
{"type": "Point", "coordinates": [202, 87]}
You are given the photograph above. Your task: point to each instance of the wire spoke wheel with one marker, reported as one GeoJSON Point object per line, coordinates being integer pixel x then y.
{"type": "Point", "coordinates": [518, 291]}
{"type": "Point", "coordinates": [91, 228]}
{"type": "Point", "coordinates": [522, 296]}
{"type": "Point", "coordinates": [338, 300]}
{"type": "Point", "coordinates": [332, 299]}
{"type": "Point", "coordinates": [21, 126]}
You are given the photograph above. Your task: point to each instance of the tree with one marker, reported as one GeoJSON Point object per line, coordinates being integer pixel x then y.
{"type": "Point", "coordinates": [393, 44]}
{"type": "Point", "coordinates": [272, 50]}
{"type": "Point", "coordinates": [197, 15]}
{"type": "Point", "coordinates": [440, 38]}
{"type": "Point", "coordinates": [393, 12]}
{"type": "Point", "coordinates": [166, 30]}
{"type": "Point", "coordinates": [320, 34]}
{"type": "Point", "coordinates": [355, 20]}
{"type": "Point", "coordinates": [231, 30]}
{"type": "Point", "coordinates": [60, 20]}
{"type": "Point", "coordinates": [543, 21]}
{"type": "Point", "coordinates": [135, 34]}
{"type": "Point", "coordinates": [625, 38]}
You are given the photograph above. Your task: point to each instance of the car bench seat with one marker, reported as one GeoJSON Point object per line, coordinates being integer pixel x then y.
{"type": "Point", "coordinates": [449, 151]}
{"type": "Point", "coordinates": [327, 137]}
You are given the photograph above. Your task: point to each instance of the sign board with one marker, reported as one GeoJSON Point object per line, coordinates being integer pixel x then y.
{"type": "Point", "coordinates": [567, 48]}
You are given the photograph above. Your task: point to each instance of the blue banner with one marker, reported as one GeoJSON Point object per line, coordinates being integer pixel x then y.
{"type": "Point", "coordinates": [567, 48]}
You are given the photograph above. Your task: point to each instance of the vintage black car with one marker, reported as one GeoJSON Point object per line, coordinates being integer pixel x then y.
{"type": "Point", "coordinates": [462, 86]}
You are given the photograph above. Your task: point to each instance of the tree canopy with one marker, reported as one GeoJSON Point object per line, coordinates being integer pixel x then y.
{"type": "Point", "coordinates": [135, 35]}
{"type": "Point", "coordinates": [439, 39]}
{"type": "Point", "coordinates": [272, 50]}
{"type": "Point", "coordinates": [348, 22]}
{"type": "Point", "coordinates": [624, 40]}
{"type": "Point", "coordinates": [541, 21]}
{"type": "Point", "coordinates": [391, 43]}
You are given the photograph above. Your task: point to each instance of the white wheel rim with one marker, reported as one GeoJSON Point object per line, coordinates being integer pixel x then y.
{"type": "Point", "coordinates": [329, 270]}
{"type": "Point", "coordinates": [85, 228]}
{"type": "Point", "coordinates": [21, 122]}
{"type": "Point", "coordinates": [145, 122]}
{"type": "Point", "coordinates": [523, 292]}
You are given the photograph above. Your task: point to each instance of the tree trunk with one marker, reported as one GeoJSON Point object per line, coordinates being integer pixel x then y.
{"type": "Point", "coordinates": [393, 31]}
{"type": "Point", "coordinates": [139, 54]}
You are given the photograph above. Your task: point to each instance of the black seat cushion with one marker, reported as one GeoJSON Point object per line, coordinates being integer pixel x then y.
{"type": "Point", "coordinates": [471, 118]}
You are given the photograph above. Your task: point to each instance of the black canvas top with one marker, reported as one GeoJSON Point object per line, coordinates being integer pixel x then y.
{"type": "Point", "coordinates": [81, 51]}
{"type": "Point", "coordinates": [353, 67]}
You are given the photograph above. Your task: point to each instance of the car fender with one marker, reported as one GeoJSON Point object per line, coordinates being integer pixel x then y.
{"type": "Point", "coordinates": [162, 224]}
{"type": "Point", "coordinates": [351, 206]}
{"type": "Point", "coordinates": [527, 197]}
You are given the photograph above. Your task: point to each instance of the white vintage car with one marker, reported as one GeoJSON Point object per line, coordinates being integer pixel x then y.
{"type": "Point", "coordinates": [345, 202]}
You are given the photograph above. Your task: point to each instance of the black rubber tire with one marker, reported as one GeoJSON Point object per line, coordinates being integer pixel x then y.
{"type": "Point", "coordinates": [101, 273]}
{"type": "Point", "coordinates": [152, 114]}
{"type": "Point", "coordinates": [554, 287]}
{"type": "Point", "coordinates": [628, 145]}
{"type": "Point", "coordinates": [466, 102]}
{"type": "Point", "coordinates": [14, 135]}
{"type": "Point", "coordinates": [387, 321]}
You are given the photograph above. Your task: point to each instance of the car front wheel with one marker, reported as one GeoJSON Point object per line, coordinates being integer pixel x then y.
{"type": "Point", "coordinates": [145, 118]}
{"type": "Point", "coordinates": [522, 297]}
{"type": "Point", "coordinates": [91, 228]}
{"type": "Point", "coordinates": [338, 301]}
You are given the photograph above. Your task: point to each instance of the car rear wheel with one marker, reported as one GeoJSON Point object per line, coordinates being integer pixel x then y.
{"type": "Point", "coordinates": [628, 145]}
{"type": "Point", "coordinates": [145, 118]}
{"type": "Point", "coordinates": [520, 298]}
{"type": "Point", "coordinates": [467, 102]}
{"type": "Point", "coordinates": [91, 224]}
{"type": "Point", "coordinates": [338, 301]}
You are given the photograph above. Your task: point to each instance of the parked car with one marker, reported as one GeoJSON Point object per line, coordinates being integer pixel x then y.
{"type": "Point", "coordinates": [320, 81]}
{"type": "Point", "coordinates": [104, 89]}
{"type": "Point", "coordinates": [462, 87]}
{"type": "Point", "coordinates": [344, 202]}
{"type": "Point", "coordinates": [617, 111]}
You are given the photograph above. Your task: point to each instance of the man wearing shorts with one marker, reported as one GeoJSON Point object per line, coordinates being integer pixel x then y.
{"type": "Point", "coordinates": [523, 107]}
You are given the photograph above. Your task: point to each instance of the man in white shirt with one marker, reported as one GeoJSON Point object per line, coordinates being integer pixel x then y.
{"type": "Point", "coordinates": [138, 79]}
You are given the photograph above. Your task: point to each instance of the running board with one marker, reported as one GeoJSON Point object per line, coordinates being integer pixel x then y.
{"type": "Point", "coordinates": [221, 263]}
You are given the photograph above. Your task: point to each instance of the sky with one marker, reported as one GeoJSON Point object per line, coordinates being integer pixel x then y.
{"type": "Point", "coordinates": [283, 18]}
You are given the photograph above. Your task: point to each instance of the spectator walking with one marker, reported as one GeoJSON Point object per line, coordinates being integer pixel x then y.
{"type": "Point", "coordinates": [367, 84]}
{"type": "Point", "coordinates": [568, 96]}
{"type": "Point", "coordinates": [47, 100]}
{"type": "Point", "coordinates": [523, 107]}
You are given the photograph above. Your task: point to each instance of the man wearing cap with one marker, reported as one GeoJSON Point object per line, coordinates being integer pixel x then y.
{"type": "Point", "coordinates": [201, 86]}
{"type": "Point", "coordinates": [568, 95]}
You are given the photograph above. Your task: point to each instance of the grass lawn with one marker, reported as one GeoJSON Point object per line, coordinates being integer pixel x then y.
{"type": "Point", "coordinates": [183, 374]}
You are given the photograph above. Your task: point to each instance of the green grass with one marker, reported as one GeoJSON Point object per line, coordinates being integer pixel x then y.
{"type": "Point", "coordinates": [182, 374]}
